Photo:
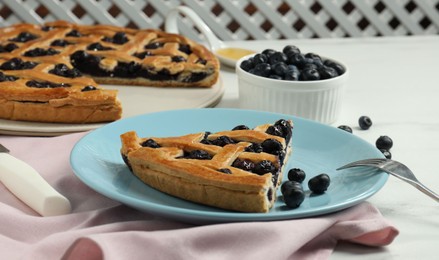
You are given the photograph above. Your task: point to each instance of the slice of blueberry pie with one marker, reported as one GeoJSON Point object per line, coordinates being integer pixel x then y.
{"type": "Point", "coordinates": [49, 73]}
{"type": "Point", "coordinates": [237, 170]}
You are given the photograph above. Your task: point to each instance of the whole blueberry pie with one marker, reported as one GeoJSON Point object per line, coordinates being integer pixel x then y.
{"type": "Point", "coordinates": [51, 72]}
{"type": "Point", "coordinates": [239, 169]}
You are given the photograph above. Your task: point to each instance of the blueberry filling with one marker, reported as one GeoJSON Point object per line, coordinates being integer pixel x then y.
{"type": "Point", "coordinates": [196, 154]}
{"type": "Point", "coordinates": [40, 52]}
{"type": "Point", "coordinates": [4, 77]}
{"type": "Point", "coordinates": [150, 143]}
{"type": "Point", "coordinates": [270, 194]}
{"type": "Point", "coordinates": [142, 55]}
{"type": "Point", "coordinates": [127, 162]}
{"type": "Point", "coordinates": [281, 128]}
{"type": "Point", "coordinates": [24, 37]}
{"type": "Point", "coordinates": [60, 43]}
{"type": "Point", "coordinates": [240, 127]}
{"type": "Point", "coordinates": [98, 47]}
{"type": "Point", "coordinates": [46, 28]}
{"type": "Point", "coordinates": [8, 47]}
{"type": "Point", "coordinates": [46, 84]}
{"type": "Point", "coordinates": [259, 168]}
{"type": "Point", "coordinates": [201, 61]}
{"type": "Point", "coordinates": [17, 64]}
{"type": "Point", "coordinates": [271, 146]}
{"type": "Point", "coordinates": [118, 38]}
{"type": "Point", "coordinates": [178, 59]}
{"type": "Point", "coordinates": [205, 140]}
{"type": "Point", "coordinates": [222, 141]}
{"type": "Point", "coordinates": [194, 77]}
{"type": "Point", "coordinates": [254, 148]}
{"type": "Point", "coordinates": [89, 64]}
{"type": "Point", "coordinates": [244, 164]}
{"type": "Point", "coordinates": [264, 167]}
{"type": "Point", "coordinates": [74, 33]}
{"type": "Point", "coordinates": [64, 71]}
{"type": "Point", "coordinates": [154, 45]}
{"type": "Point", "coordinates": [225, 170]}
{"type": "Point", "coordinates": [88, 88]}
{"type": "Point", "coordinates": [274, 147]}
{"type": "Point", "coordinates": [275, 130]}
{"type": "Point", "coordinates": [186, 48]}
{"type": "Point", "coordinates": [127, 70]}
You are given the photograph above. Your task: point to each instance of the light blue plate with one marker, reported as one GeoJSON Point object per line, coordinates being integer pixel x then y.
{"type": "Point", "coordinates": [317, 148]}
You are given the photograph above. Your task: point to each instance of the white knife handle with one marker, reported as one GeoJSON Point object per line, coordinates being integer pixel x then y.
{"type": "Point", "coordinates": [28, 185]}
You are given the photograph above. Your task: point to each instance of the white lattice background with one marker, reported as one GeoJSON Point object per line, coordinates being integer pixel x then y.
{"type": "Point", "coordinates": [243, 19]}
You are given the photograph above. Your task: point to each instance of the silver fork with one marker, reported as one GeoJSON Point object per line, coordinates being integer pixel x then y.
{"type": "Point", "coordinates": [396, 169]}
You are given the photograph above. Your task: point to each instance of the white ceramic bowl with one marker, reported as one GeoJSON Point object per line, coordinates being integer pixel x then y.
{"type": "Point", "coordinates": [319, 100]}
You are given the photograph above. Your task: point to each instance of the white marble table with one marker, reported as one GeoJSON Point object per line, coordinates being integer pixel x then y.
{"type": "Point", "coordinates": [394, 81]}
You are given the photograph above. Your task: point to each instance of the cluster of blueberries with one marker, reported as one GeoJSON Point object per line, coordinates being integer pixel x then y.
{"type": "Point", "coordinates": [291, 64]}
{"type": "Point", "coordinates": [292, 189]}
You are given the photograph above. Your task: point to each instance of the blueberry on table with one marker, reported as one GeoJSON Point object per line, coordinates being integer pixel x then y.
{"type": "Point", "coordinates": [384, 142]}
{"type": "Point", "coordinates": [345, 128]}
{"type": "Point", "coordinates": [293, 194]}
{"type": "Point", "coordinates": [319, 184]}
{"type": "Point", "coordinates": [296, 174]}
{"type": "Point", "coordinates": [365, 122]}
{"type": "Point", "coordinates": [386, 153]}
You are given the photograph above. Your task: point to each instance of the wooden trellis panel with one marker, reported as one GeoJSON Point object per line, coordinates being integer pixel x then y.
{"type": "Point", "coordinates": [243, 19]}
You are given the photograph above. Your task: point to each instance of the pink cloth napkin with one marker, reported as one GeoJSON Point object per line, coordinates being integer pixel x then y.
{"type": "Point", "coordinates": [100, 228]}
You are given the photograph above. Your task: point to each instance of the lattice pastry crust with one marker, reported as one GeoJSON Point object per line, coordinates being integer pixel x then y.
{"type": "Point", "coordinates": [237, 170]}
{"type": "Point", "coordinates": [49, 73]}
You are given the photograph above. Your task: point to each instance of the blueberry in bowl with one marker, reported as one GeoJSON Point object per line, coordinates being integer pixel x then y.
{"type": "Point", "coordinates": [290, 81]}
